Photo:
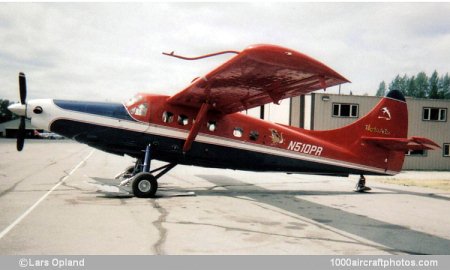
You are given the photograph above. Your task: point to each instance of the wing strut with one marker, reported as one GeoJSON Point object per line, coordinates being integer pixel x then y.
{"type": "Point", "coordinates": [199, 121]}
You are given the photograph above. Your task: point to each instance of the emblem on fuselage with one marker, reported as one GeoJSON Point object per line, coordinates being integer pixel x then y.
{"type": "Point", "coordinates": [277, 138]}
{"type": "Point", "coordinates": [385, 114]}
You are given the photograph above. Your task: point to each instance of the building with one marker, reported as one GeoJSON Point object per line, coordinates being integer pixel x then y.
{"type": "Point", "coordinates": [426, 118]}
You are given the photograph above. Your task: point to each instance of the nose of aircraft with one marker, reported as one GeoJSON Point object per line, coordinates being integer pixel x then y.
{"type": "Point", "coordinates": [19, 109]}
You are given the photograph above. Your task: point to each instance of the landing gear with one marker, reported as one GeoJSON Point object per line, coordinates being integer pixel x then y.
{"type": "Point", "coordinates": [361, 185]}
{"type": "Point", "coordinates": [129, 172]}
{"type": "Point", "coordinates": [144, 184]}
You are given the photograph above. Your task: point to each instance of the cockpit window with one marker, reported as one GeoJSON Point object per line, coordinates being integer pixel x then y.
{"type": "Point", "coordinates": [141, 109]}
{"type": "Point", "coordinates": [138, 107]}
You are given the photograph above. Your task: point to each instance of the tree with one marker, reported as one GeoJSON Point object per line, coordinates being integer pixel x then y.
{"type": "Point", "coordinates": [412, 88]}
{"type": "Point", "coordinates": [381, 89]}
{"type": "Point", "coordinates": [422, 85]}
{"type": "Point", "coordinates": [399, 83]}
{"type": "Point", "coordinates": [5, 114]}
{"type": "Point", "coordinates": [444, 87]}
{"type": "Point", "coordinates": [433, 86]}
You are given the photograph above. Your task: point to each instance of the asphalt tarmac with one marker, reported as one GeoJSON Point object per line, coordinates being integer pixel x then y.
{"type": "Point", "coordinates": [49, 205]}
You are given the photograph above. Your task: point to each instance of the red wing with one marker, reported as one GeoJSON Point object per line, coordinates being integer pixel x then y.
{"type": "Point", "coordinates": [402, 144]}
{"type": "Point", "coordinates": [258, 75]}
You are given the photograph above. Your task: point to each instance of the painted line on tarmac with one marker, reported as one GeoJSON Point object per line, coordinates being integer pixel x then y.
{"type": "Point", "coordinates": [29, 210]}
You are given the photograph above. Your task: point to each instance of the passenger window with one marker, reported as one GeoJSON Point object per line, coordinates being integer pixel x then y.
{"type": "Point", "coordinates": [183, 120]}
{"type": "Point", "coordinates": [211, 125]}
{"type": "Point", "coordinates": [237, 132]}
{"type": "Point", "coordinates": [167, 117]}
{"type": "Point", "coordinates": [254, 135]}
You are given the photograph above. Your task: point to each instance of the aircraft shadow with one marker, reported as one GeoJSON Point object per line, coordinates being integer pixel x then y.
{"type": "Point", "coordinates": [427, 195]}
{"type": "Point", "coordinates": [398, 238]}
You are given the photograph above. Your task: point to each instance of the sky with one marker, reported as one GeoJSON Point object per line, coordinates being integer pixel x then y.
{"type": "Point", "coordinates": [110, 51]}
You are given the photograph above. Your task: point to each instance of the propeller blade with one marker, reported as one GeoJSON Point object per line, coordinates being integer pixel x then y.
{"type": "Point", "coordinates": [22, 87]}
{"type": "Point", "coordinates": [21, 134]}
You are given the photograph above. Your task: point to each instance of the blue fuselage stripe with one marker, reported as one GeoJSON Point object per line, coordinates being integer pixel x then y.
{"type": "Point", "coordinates": [114, 110]}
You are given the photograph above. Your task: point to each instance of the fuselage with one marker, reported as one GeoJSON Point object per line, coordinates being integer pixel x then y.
{"type": "Point", "coordinates": [234, 141]}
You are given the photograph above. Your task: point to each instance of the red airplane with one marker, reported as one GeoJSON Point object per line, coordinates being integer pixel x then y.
{"type": "Point", "coordinates": [202, 125]}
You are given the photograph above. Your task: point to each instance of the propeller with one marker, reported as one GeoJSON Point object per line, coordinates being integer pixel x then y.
{"type": "Point", "coordinates": [22, 88]}
{"type": "Point", "coordinates": [23, 96]}
{"type": "Point", "coordinates": [21, 134]}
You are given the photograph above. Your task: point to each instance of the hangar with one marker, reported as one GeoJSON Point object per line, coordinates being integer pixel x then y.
{"type": "Point", "coordinates": [426, 117]}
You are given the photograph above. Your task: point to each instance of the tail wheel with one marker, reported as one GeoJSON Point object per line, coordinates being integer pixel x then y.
{"type": "Point", "coordinates": [145, 185]}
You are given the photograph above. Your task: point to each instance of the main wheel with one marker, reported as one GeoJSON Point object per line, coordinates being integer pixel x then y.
{"type": "Point", "coordinates": [144, 185]}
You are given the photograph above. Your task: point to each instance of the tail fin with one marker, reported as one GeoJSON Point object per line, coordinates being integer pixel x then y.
{"type": "Point", "coordinates": [388, 119]}
{"type": "Point", "coordinates": [386, 126]}
{"type": "Point", "coordinates": [379, 139]}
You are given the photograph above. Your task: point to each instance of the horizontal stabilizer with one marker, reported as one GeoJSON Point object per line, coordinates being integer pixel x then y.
{"type": "Point", "coordinates": [402, 144]}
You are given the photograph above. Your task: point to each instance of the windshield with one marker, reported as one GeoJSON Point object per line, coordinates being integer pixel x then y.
{"type": "Point", "coordinates": [140, 110]}
{"type": "Point", "coordinates": [133, 100]}
{"type": "Point", "coordinates": [138, 107]}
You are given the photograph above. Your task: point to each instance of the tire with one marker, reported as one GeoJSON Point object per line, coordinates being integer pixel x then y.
{"type": "Point", "coordinates": [144, 185]}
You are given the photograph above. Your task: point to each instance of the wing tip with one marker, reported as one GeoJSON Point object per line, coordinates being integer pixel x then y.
{"type": "Point", "coordinates": [271, 48]}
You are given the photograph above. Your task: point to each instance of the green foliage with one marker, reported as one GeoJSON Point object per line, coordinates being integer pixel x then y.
{"type": "Point", "coordinates": [399, 83]}
{"type": "Point", "coordinates": [444, 87]}
{"type": "Point", "coordinates": [433, 86]}
{"type": "Point", "coordinates": [412, 87]}
{"type": "Point", "coordinates": [381, 90]}
{"type": "Point", "coordinates": [421, 86]}
{"type": "Point", "coordinates": [5, 114]}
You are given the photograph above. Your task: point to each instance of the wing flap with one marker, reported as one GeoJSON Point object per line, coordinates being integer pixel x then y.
{"type": "Point", "coordinates": [402, 144]}
{"type": "Point", "coordinates": [258, 75]}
